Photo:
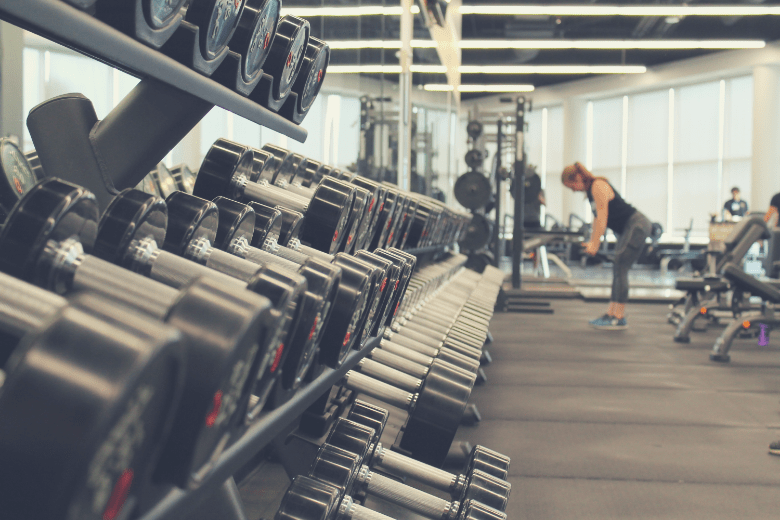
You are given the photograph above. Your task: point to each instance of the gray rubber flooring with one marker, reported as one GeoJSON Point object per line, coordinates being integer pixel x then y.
{"type": "Point", "coordinates": [629, 424]}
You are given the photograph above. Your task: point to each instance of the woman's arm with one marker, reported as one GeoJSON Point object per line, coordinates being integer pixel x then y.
{"type": "Point", "coordinates": [602, 193]}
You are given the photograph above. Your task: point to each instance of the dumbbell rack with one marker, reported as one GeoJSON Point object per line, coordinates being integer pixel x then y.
{"type": "Point", "coordinates": [66, 25]}
{"type": "Point", "coordinates": [179, 503]}
{"type": "Point", "coordinates": [167, 80]}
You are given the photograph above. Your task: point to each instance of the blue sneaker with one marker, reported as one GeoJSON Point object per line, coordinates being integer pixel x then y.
{"type": "Point", "coordinates": [607, 322]}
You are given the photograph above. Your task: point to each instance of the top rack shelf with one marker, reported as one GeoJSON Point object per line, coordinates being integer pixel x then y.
{"type": "Point", "coordinates": [64, 24]}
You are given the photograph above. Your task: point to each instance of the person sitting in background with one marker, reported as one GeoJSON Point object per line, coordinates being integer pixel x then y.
{"type": "Point", "coordinates": [774, 209]}
{"type": "Point", "coordinates": [629, 224]}
{"type": "Point", "coordinates": [734, 207]}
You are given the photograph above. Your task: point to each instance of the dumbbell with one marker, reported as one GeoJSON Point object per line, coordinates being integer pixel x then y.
{"type": "Point", "coordinates": [347, 470]}
{"type": "Point", "coordinates": [254, 34]}
{"type": "Point", "coordinates": [480, 458]}
{"type": "Point", "coordinates": [309, 81]}
{"type": "Point", "coordinates": [360, 432]}
{"type": "Point", "coordinates": [130, 233]}
{"type": "Point", "coordinates": [43, 242]}
{"type": "Point", "coordinates": [311, 499]}
{"type": "Point", "coordinates": [281, 168]}
{"type": "Point", "coordinates": [278, 166]}
{"type": "Point", "coordinates": [435, 411]}
{"type": "Point", "coordinates": [185, 179]}
{"type": "Point", "coordinates": [193, 228]}
{"type": "Point", "coordinates": [226, 171]}
{"type": "Point", "coordinates": [87, 393]}
{"type": "Point", "coordinates": [266, 231]}
{"type": "Point", "coordinates": [403, 230]}
{"type": "Point", "coordinates": [17, 176]}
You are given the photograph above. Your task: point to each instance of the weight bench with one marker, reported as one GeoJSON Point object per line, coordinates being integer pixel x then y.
{"type": "Point", "coordinates": [745, 283]}
{"type": "Point", "coordinates": [737, 244]}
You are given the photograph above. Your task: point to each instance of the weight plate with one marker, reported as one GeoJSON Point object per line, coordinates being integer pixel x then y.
{"type": "Point", "coordinates": [129, 382]}
{"type": "Point", "coordinates": [224, 161]}
{"type": "Point", "coordinates": [132, 216]}
{"type": "Point", "coordinates": [478, 233]}
{"type": "Point", "coordinates": [281, 165]}
{"type": "Point", "coordinates": [472, 190]}
{"type": "Point", "coordinates": [254, 34]}
{"type": "Point", "coordinates": [189, 218]}
{"type": "Point", "coordinates": [52, 211]}
{"type": "Point", "coordinates": [308, 499]}
{"type": "Point", "coordinates": [307, 175]}
{"type": "Point", "coordinates": [369, 415]}
{"type": "Point", "coordinates": [348, 309]}
{"type": "Point", "coordinates": [35, 164]}
{"type": "Point", "coordinates": [160, 13]}
{"type": "Point", "coordinates": [164, 179]}
{"type": "Point", "coordinates": [384, 219]}
{"type": "Point", "coordinates": [356, 216]}
{"type": "Point", "coordinates": [185, 179]}
{"type": "Point", "coordinates": [351, 436]}
{"type": "Point", "coordinates": [386, 290]}
{"type": "Point", "coordinates": [268, 224]}
{"type": "Point", "coordinates": [326, 217]}
{"type": "Point", "coordinates": [474, 158]}
{"type": "Point", "coordinates": [312, 74]}
{"type": "Point", "coordinates": [262, 166]}
{"type": "Point", "coordinates": [285, 57]}
{"type": "Point", "coordinates": [236, 221]}
{"type": "Point", "coordinates": [474, 129]}
{"type": "Point", "coordinates": [406, 267]}
{"type": "Point", "coordinates": [218, 20]}
{"type": "Point", "coordinates": [336, 466]}
{"type": "Point", "coordinates": [18, 177]}
{"type": "Point", "coordinates": [407, 225]}
{"type": "Point", "coordinates": [290, 225]}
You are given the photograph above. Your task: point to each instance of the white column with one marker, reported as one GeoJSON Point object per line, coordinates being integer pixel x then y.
{"type": "Point", "coordinates": [574, 149]}
{"type": "Point", "coordinates": [405, 101]}
{"type": "Point", "coordinates": [765, 179]}
{"type": "Point", "coordinates": [11, 86]}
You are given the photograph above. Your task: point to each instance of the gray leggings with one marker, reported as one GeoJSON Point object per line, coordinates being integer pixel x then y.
{"type": "Point", "coordinates": [629, 246]}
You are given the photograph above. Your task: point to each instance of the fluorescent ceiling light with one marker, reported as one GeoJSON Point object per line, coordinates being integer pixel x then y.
{"type": "Point", "coordinates": [491, 69]}
{"type": "Point", "coordinates": [552, 69]}
{"type": "Point", "coordinates": [379, 44]}
{"type": "Point", "coordinates": [621, 10]}
{"type": "Point", "coordinates": [364, 69]}
{"type": "Point", "coordinates": [612, 44]}
{"type": "Point", "coordinates": [437, 87]}
{"type": "Point", "coordinates": [368, 10]}
{"type": "Point", "coordinates": [556, 44]}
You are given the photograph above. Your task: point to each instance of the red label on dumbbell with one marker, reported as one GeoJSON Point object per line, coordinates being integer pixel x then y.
{"type": "Point", "coordinates": [289, 59]}
{"type": "Point", "coordinates": [319, 76]}
{"type": "Point", "coordinates": [267, 40]}
{"type": "Point", "coordinates": [391, 236]}
{"type": "Point", "coordinates": [336, 236]}
{"type": "Point", "coordinates": [396, 285]}
{"type": "Point", "coordinates": [119, 495]}
{"type": "Point", "coordinates": [349, 239]}
{"type": "Point", "coordinates": [396, 308]}
{"type": "Point", "coordinates": [18, 185]}
{"type": "Point", "coordinates": [384, 283]}
{"type": "Point", "coordinates": [389, 223]}
{"type": "Point", "coordinates": [314, 327]}
{"type": "Point", "coordinates": [382, 207]}
{"type": "Point", "coordinates": [277, 358]}
{"type": "Point", "coordinates": [211, 418]}
{"type": "Point", "coordinates": [371, 206]}
{"type": "Point", "coordinates": [346, 339]}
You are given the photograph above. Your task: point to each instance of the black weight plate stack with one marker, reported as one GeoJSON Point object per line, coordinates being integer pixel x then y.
{"type": "Point", "coordinates": [286, 55]}
{"type": "Point", "coordinates": [472, 190]}
{"type": "Point", "coordinates": [309, 81]}
{"type": "Point", "coordinates": [255, 34]}
{"type": "Point", "coordinates": [478, 233]}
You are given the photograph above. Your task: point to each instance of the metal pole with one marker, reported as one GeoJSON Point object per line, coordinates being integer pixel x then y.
{"type": "Point", "coordinates": [405, 91]}
{"type": "Point", "coordinates": [497, 249]}
{"type": "Point", "coordinates": [518, 233]}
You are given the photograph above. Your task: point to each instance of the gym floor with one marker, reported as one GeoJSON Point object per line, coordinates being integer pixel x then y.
{"type": "Point", "coordinates": [629, 424]}
{"type": "Point", "coordinates": [613, 425]}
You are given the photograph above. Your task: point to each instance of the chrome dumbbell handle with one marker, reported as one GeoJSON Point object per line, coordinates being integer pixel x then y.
{"type": "Point", "coordinates": [390, 375]}
{"type": "Point", "coordinates": [387, 393]}
{"type": "Point", "coordinates": [274, 196]}
{"type": "Point", "coordinates": [420, 471]}
{"type": "Point", "coordinates": [405, 496]}
{"type": "Point", "coordinates": [349, 510]}
{"type": "Point", "coordinates": [401, 363]}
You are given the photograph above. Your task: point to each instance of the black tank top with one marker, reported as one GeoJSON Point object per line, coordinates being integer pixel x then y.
{"type": "Point", "coordinates": [618, 210]}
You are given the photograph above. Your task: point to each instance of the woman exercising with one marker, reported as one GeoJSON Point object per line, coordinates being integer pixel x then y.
{"type": "Point", "coordinates": [629, 224]}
